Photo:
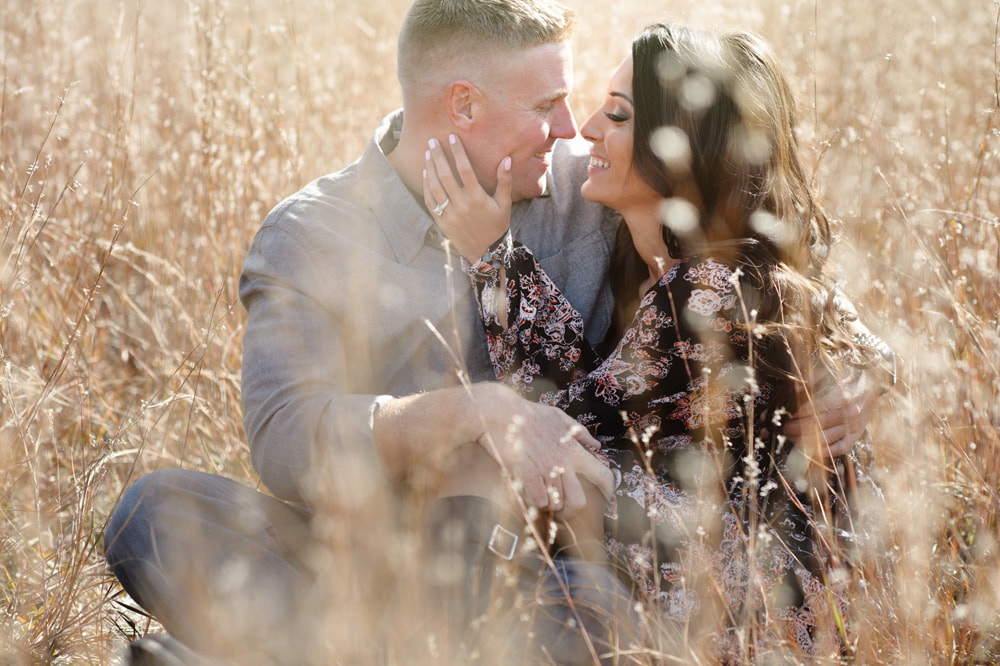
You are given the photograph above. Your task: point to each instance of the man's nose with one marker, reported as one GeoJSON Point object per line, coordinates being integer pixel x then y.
{"type": "Point", "coordinates": [564, 124]}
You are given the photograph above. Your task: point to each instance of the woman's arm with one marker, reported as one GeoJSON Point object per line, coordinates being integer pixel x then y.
{"type": "Point", "coordinates": [535, 335]}
{"type": "Point", "coordinates": [835, 411]}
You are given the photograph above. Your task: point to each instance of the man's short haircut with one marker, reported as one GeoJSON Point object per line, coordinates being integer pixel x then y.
{"type": "Point", "coordinates": [438, 32]}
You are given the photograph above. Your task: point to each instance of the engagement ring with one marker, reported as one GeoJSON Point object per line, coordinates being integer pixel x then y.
{"type": "Point", "coordinates": [441, 206]}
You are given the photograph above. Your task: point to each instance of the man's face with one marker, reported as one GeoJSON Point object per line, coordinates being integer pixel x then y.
{"type": "Point", "coordinates": [524, 112]}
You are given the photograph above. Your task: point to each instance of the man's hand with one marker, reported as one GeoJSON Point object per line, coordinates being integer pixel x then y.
{"type": "Point", "coordinates": [543, 448]}
{"type": "Point", "coordinates": [545, 451]}
{"type": "Point", "coordinates": [832, 421]}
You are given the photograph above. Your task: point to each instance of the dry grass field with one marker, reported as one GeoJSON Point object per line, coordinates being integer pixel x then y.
{"type": "Point", "coordinates": [142, 143]}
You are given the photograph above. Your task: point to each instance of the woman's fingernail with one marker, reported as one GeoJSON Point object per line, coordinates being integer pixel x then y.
{"type": "Point", "coordinates": [427, 155]}
{"type": "Point", "coordinates": [432, 143]}
{"type": "Point", "coordinates": [452, 138]}
{"type": "Point", "coordinates": [425, 174]}
{"type": "Point", "coordinates": [506, 164]}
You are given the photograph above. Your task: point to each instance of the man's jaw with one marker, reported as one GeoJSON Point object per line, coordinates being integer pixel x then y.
{"type": "Point", "coordinates": [534, 183]}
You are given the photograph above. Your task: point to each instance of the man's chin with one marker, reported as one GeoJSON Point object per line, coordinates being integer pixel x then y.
{"type": "Point", "coordinates": [531, 190]}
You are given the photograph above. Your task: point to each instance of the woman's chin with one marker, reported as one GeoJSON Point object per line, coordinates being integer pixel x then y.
{"type": "Point", "coordinates": [588, 191]}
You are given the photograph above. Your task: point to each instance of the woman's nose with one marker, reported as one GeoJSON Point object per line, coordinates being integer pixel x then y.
{"type": "Point", "coordinates": [590, 129]}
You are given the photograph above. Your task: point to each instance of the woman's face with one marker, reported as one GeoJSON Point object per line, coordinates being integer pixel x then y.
{"type": "Point", "coordinates": [611, 179]}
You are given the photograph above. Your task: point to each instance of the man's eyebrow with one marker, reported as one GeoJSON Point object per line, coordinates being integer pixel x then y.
{"type": "Point", "coordinates": [552, 99]}
{"type": "Point", "coordinates": [623, 96]}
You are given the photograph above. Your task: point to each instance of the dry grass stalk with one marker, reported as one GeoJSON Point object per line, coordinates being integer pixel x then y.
{"type": "Point", "coordinates": [139, 149]}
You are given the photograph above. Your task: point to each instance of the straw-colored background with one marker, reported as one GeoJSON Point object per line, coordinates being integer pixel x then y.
{"type": "Point", "coordinates": [142, 143]}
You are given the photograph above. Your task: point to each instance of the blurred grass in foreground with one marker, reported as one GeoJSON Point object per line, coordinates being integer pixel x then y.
{"type": "Point", "coordinates": [141, 145]}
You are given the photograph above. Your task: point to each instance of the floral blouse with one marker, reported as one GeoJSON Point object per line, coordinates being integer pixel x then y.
{"type": "Point", "coordinates": [676, 410]}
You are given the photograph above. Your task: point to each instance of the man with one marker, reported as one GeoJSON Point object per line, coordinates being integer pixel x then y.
{"type": "Point", "coordinates": [366, 381]}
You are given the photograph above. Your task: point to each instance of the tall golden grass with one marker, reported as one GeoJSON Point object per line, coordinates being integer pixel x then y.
{"type": "Point", "coordinates": [142, 143]}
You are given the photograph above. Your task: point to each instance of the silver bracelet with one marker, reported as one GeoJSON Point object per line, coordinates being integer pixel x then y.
{"type": "Point", "coordinates": [492, 254]}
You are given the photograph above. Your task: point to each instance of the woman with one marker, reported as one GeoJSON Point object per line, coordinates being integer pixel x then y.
{"type": "Point", "coordinates": [723, 308]}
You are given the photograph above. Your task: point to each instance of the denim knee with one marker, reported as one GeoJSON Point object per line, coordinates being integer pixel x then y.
{"type": "Point", "coordinates": [130, 520]}
{"type": "Point", "coordinates": [582, 610]}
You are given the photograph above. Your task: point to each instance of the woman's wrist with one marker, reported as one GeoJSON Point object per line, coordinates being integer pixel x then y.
{"type": "Point", "coordinates": [489, 264]}
{"type": "Point", "coordinates": [496, 253]}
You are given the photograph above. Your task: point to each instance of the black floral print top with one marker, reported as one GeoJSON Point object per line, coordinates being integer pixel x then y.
{"type": "Point", "coordinates": [675, 407]}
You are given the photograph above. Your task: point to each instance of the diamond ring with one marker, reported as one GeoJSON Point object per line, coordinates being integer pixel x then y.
{"type": "Point", "coordinates": [437, 210]}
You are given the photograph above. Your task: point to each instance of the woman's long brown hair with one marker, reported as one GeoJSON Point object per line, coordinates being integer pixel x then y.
{"type": "Point", "coordinates": [728, 95]}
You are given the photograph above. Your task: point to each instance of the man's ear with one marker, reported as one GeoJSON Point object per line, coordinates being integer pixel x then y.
{"type": "Point", "coordinates": [462, 103]}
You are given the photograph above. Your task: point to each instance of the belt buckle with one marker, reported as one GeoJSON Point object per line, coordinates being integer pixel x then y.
{"type": "Point", "coordinates": [500, 535]}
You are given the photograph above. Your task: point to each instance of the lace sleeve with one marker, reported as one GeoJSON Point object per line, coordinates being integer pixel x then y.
{"type": "Point", "coordinates": [544, 337]}
{"type": "Point", "coordinates": [877, 356]}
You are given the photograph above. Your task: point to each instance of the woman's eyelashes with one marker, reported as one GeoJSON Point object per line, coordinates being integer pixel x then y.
{"type": "Point", "coordinates": [617, 117]}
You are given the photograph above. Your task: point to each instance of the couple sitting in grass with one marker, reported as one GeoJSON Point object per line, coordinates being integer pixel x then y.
{"type": "Point", "coordinates": [661, 344]}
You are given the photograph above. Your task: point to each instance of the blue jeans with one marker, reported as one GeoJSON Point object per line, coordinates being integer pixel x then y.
{"type": "Point", "coordinates": [225, 569]}
{"type": "Point", "coordinates": [217, 563]}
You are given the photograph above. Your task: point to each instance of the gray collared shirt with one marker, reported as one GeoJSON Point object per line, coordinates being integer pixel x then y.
{"type": "Point", "coordinates": [350, 296]}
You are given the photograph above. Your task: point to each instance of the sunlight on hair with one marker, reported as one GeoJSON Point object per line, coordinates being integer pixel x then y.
{"type": "Point", "coordinates": [777, 230]}
{"type": "Point", "coordinates": [697, 92]}
{"type": "Point", "coordinates": [671, 145]}
{"type": "Point", "coordinates": [679, 215]}
{"type": "Point", "coordinates": [671, 71]}
{"type": "Point", "coordinates": [751, 145]}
